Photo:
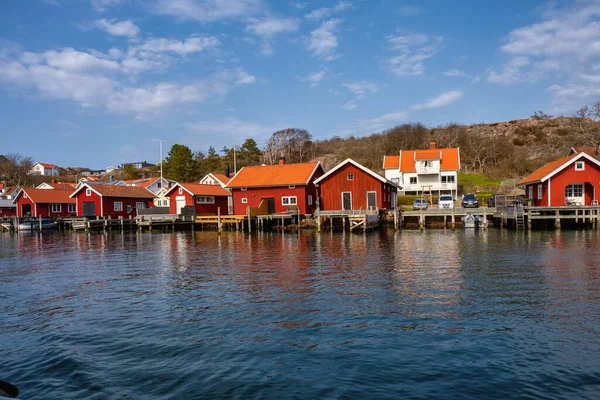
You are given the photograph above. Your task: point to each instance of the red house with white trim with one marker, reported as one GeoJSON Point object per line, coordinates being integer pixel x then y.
{"type": "Point", "coordinates": [107, 200]}
{"type": "Point", "coordinates": [351, 186]}
{"type": "Point", "coordinates": [206, 199]}
{"type": "Point", "coordinates": [44, 203]}
{"type": "Point", "coordinates": [570, 180]}
{"type": "Point", "coordinates": [281, 186]}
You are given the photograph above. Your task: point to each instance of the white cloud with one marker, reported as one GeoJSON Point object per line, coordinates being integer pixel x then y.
{"type": "Point", "coordinates": [454, 73]}
{"type": "Point", "coordinates": [323, 42]}
{"type": "Point", "coordinates": [361, 88]}
{"type": "Point", "coordinates": [102, 5]}
{"type": "Point", "coordinates": [187, 46]}
{"type": "Point", "coordinates": [442, 100]}
{"type": "Point", "coordinates": [382, 121]}
{"type": "Point", "coordinates": [349, 105]}
{"type": "Point", "coordinates": [208, 10]}
{"type": "Point", "coordinates": [228, 131]}
{"type": "Point", "coordinates": [414, 50]}
{"type": "Point", "coordinates": [123, 28]}
{"type": "Point", "coordinates": [323, 12]}
{"type": "Point", "coordinates": [563, 47]}
{"type": "Point", "coordinates": [315, 77]}
{"type": "Point", "coordinates": [475, 80]}
{"type": "Point", "coordinates": [267, 28]}
{"type": "Point", "coordinates": [95, 80]}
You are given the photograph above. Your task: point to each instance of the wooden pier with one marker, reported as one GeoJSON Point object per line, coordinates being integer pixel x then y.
{"type": "Point", "coordinates": [355, 220]}
{"type": "Point", "coordinates": [444, 217]}
{"type": "Point", "coordinates": [525, 217]}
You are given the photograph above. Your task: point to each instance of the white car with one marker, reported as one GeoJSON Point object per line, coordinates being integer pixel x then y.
{"type": "Point", "coordinates": [446, 201]}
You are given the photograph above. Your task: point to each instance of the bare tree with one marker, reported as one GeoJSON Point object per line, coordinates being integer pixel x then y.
{"type": "Point", "coordinates": [14, 168]}
{"type": "Point", "coordinates": [292, 143]}
{"type": "Point", "coordinates": [583, 114]}
{"type": "Point", "coordinates": [596, 110]}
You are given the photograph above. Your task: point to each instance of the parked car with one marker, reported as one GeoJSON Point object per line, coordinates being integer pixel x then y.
{"type": "Point", "coordinates": [446, 201]}
{"type": "Point", "coordinates": [492, 201]}
{"type": "Point", "coordinates": [420, 204]}
{"type": "Point", "coordinates": [470, 201]}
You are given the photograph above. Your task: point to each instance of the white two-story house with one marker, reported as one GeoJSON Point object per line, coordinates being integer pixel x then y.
{"type": "Point", "coordinates": [418, 171]}
{"type": "Point", "coordinates": [44, 169]}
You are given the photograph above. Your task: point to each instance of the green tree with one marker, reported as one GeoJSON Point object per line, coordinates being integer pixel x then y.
{"type": "Point", "coordinates": [212, 161]}
{"type": "Point", "coordinates": [131, 172]}
{"type": "Point", "coordinates": [249, 153]}
{"type": "Point", "coordinates": [179, 164]}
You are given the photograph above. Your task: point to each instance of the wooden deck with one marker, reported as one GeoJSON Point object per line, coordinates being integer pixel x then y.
{"type": "Point", "coordinates": [452, 216]}
{"type": "Point", "coordinates": [510, 216]}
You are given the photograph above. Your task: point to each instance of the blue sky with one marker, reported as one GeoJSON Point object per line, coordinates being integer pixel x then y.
{"type": "Point", "coordinates": [98, 82]}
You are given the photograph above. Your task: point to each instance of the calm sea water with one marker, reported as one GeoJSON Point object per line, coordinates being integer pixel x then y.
{"type": "Point", "coordinates": [434, 314]}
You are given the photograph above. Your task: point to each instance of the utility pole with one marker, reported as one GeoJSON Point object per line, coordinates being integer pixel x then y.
{"type": "Point", "coordinates": [234, 162]}
{"type": "Point", "coordinates": [161, 165]}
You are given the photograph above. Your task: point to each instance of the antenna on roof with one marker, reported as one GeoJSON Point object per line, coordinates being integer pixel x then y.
{"type": "Point", "coordinates": [161, 163]}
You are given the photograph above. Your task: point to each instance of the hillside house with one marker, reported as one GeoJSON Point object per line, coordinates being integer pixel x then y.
{"type": "Point", "coordinates": [351, 186]}
{"type": "Point", "coordinates": [205, 199]}
{"type": "Point", "coordinates": [44, 203]}
{"type": "Point", "coordinates": [137, 165]}
{"type": "Point", "coordinates": [44, 169]}
{"type": "Point", "coordinates": [56, 185]}
{"type": "Point", "coordinates": [570, 180]}
{"type": "Point", "coordinates": [415, 171]}
{"type": "Point", "coordinates": [281, 186]}
{"type": "Point", "coordinates": [109, 200]}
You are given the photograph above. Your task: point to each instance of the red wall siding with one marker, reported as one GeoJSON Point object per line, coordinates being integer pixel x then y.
{"type": "Point", "coordinates": [109, 206]}
{"type": "Point", "coordinates": [255, 195]}
{"type": "Point", "coordinates": [42, 210]}
{"type": "Point", "coordinates": [331, 188]}
{"type": "Point", "coordinates": [220, 201]}
{"type": "Point", "coordinates": [82, 198]}
{"type": "Point", "coordinates": [544, 200]}
{"type": "Point", "coordinates": [590, 175]}
{"type": "Point", "coordinates": [8, 211]}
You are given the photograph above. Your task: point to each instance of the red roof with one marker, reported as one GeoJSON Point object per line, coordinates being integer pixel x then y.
{"type": "Point", "coordinates": [63, 185]}
{"type": "Point", "coordinates": [45, 165]}
{"type": "Point", "coordinates": [275, 175]}
{"type": "Point", "coordinates": [546, 169]}
{"type": "Point", "coordinates": [222, 177]}
{"type": "Point", "coordinates": [196, 189]}
{"type": "Point", "coordinates": [45, 196]}
{"type": "Point", "coordinates": [10, 191]}
{"type": "Point", "coordinates": [405, 162]}
{"type": "Point", "coordinates": [132, 192]}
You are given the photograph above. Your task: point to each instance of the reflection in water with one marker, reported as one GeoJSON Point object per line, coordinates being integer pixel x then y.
{"type": "Point", "coordinates": [391, 314]}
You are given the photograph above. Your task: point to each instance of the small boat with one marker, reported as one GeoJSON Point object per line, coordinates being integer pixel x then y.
{"type": "Point", "coordinates": [470, 221]}
{"type": "Point", "coordinates": [47, 223]}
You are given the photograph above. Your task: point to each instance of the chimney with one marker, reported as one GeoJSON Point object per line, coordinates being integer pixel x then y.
{"type": "Point", "coordinates": [281, 160]}
{"type": "Point", "coordinates": [111, 179]}
{"type": "Point", "coordinates": [432, 145]}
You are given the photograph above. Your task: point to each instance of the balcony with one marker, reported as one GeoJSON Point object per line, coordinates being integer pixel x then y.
{"type": "Point", "coordinates": [423, 170]}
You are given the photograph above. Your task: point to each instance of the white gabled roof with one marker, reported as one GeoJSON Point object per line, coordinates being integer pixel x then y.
{"type": "Point", "coordinates": [357, 165]}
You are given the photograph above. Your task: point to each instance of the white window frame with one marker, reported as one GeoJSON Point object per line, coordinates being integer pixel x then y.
{"type": "Point", "coordinates": [530, 192]}
{"type": "Point", "coordinates": [540, 193]}
{"type": "Point", "coordinates": [88, 192]}
{"type": "Point", "coordinates": [180, 191]}
{"type": "Point", "coordinates": [350, 177]}
{"type": "Point", "coordinates": [244, 200]}
{"type": "Point", "coordinates": [292, 187]}
{"type": "Point", "coordinates": [118, 206]}
{"type": "Point", "coordinates": [410, 180]}
{"type": "Point", "coordinates": [309, 200]}
{"type": "Point", "coordinates": [448, 179]}
{"type": "Point", "coordinates": [25, 195]}
{"type": "Point", "coordinates": [140, 205]}
{"type": "Point", "coordinates": [205, 199]}
{"type": "Point", "coordinates": [244, 189]}
{"type": "Point", "coordinates": [579, 166]}
{"type": "Point", "coordinates": [158, 203]}
{"type": "Point", "coordinates": [289, 200]}
{"type": "Point", "coordinates": [72, 208]}
{"type": "Point", "coordinates": [56, 208]}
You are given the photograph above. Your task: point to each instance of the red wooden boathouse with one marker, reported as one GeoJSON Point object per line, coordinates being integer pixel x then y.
{"type": "Point", "coordinates": [107, 200]}
{"type": "Point", "coordinates": [206, 199]}
{"type": "Point", "coordinates": [570, 180]}
{"type": "Point", "coordinates": [351, 186]}
{"type": "Point", "coordinates": [45, 203]}
{"type": "Point", "coordinates": [281, 187]}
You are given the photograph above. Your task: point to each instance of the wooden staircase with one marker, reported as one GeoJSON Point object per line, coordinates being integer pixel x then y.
{"type": "Point", "coordinates": [519, 217]}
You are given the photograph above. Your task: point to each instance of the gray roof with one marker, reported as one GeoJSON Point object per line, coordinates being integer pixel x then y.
{"type": "Point", "coordinates": [7, 203]}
